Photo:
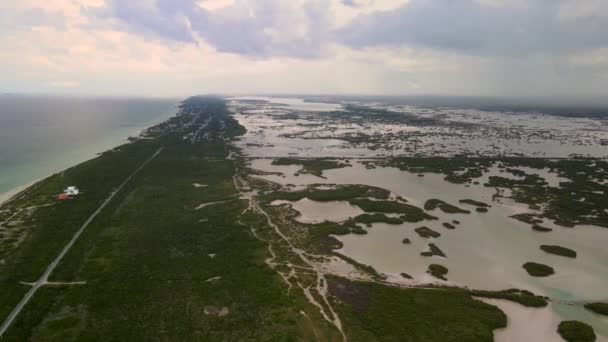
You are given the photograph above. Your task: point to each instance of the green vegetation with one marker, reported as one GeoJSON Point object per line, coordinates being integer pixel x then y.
{"type": "Point", "coordinates": [406, 276]}
{"type": "Point", "coordinates": [410, 212]}
{"type": "Point", "coordinates": [311, 166]}
{"type": "Point", "coordinates": [522, 297]}
{"type": "Point", "coordinates": [599, 308]}
{"type": "Point", "coordinates": [406, 241]}
{"type": "Point", "coordinates": [527, 218]}
{"type": "Point", "coordinates": [338, 193]}
{"type": "Point", "coordinates": [538, 270]}
{"type": "Point", "coordinates": [457, 170]}
{"type": "Point", "coordinates": [586, 184]}
{"type": "Point", "coordinates": [438, 271]}
{"type": "Point", "coordinates": [434, 203]}
{"type": "Point", "coordinates": [365, 268]}
{"type": "Point", "coordinates": [558, 250]}
{"type": "Point", "coordinates": [575, 331]}
{"type": "Point", "coordinates": [448, 225]}
{"type": "Point", "coordinates": [433, 250]}
{"type": "Point", "coordinates": [481, 210]}
{"type": "Point", "coordinates": [373, 312]}
{"type": "Point", "coordinates": [427, 232]}
{"type": "Point", "coordinates": [540, 228]}
{"type": "Point", "coordinates": [377, 218]}
{"type": "Point", "coordinates": [475, 203]}
{"type": "Point", "coordinates": [147, 256]}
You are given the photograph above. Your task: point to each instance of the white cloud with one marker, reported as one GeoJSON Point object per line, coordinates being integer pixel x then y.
{"type": "Point", "coordinates": [99, 55]}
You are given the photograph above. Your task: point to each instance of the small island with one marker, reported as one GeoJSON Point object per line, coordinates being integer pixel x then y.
{"type": "Point", "coordinates": [448, 225]}
{"type": "Point", "coordinates": [438, 271]}
{"type": "Point", "coordinates": [538, 270]}
{"type": "Point", "coordinates": [559, 250]}
{"type": "Point", "coordinates": [434, 203]}
{"type": "Point", "coordinates": [575, 331]}
{"type": "Point", "coordinates": [433, 250]}
{"type": "Point", "coordinates": [540, 228]}
{"type": "Point", "coordinates": [427, 232]}
{"type": "Point", "coordinates": [598, 308]}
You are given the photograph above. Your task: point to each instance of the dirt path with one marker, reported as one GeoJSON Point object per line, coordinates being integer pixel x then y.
{"type": "Point", "coordinates": [320, 286]}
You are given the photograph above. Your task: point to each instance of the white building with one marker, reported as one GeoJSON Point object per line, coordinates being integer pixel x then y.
{"type": "Point", "coordinates": [72, 191]}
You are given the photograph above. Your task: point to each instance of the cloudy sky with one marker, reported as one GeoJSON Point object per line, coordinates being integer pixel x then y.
{"type": "Point", "coordinates": [181, 47]}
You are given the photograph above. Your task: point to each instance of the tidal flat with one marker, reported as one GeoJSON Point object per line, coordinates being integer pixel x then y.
{"type": "Point", "coordinates": [477, 168]}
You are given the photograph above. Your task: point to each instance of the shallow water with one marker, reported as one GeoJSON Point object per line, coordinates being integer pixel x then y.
{"type": "Point", "coordinates": [40, 135]}
{"type": "Point", "coordinates": [317, 212]}
{"type": "Point", "coordinates": [485, 251]}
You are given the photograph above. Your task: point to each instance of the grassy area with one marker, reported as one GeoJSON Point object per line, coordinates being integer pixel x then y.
{"type": "Point", "coordinates": [598, 308]}
{"type": "Point", "coordinates": [373, 312]}
{"type": "Point", "coordinates": [312, 166]}
{"type": "Point", "coordinates": [558, 250]}
{"type": "Point", "coordinates": [538, 270]}
{"type": "Point", "coordinates": [575, 331]}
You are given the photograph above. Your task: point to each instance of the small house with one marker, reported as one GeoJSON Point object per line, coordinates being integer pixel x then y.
{"type": "Point", "coordinates": [71, 191]}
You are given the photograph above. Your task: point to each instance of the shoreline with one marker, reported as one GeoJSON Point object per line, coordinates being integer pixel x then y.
{"type": "Point", "coordinates": [8, 195]}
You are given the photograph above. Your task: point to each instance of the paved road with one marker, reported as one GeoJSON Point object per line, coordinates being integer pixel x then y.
{"type": "Point", "coordinates": [43, 280]}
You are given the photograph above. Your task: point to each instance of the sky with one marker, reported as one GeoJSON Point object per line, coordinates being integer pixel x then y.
{"type": "Point", "coordinates": [375, 47]}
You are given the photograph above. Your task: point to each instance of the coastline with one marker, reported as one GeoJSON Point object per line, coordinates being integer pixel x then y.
{"type": "Point", "coordinates": [6, 196]}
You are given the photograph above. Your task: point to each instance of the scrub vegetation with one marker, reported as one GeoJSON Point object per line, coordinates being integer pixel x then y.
{"type": "Point", "coordinates": [434, 203]}
{"type": "Point", "coordinates": [437, 271]}
{"type": "Point", "coordinates": [374, 312]}
{"type": "Point", "coordinates": [433, 250]}
{"type": "Point", "coordinates": [586, 185]}
{"type": "Point", "coordinates": [147, 257]}
{"type": "Point", "coordinates": [522, 297]}
{"type": "Point", "coordinates": [598, 308]}
{"type": "Point", "coordinates": [575, 331]}
{"type": "Point", "coordinates": [558, 250]}
{"type": "Point", "coordinates": [427, 232]}
{"type": "Point", "coordinates": [311, 166]}
{"type": "Point", "coordinates": [152, 267]}
{"type": "Point", "coordinates": [538, 270]}
{"type": "Point", "coordinates": [410, 213]}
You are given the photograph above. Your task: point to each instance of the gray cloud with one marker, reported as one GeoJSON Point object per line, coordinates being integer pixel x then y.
{"type": "Point", "coordinates": [244, 28]}
{"type": "Point", "coordinates": [463, 26]}
{"type": "Point", "coordinates": [469, 27]}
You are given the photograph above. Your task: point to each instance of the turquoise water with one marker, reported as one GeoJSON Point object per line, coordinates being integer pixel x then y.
{"type": "Point", "coordinates": [40, 135]}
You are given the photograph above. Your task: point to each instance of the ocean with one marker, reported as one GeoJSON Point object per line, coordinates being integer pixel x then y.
{"type": "Point", "coordinates": [41, 135]}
